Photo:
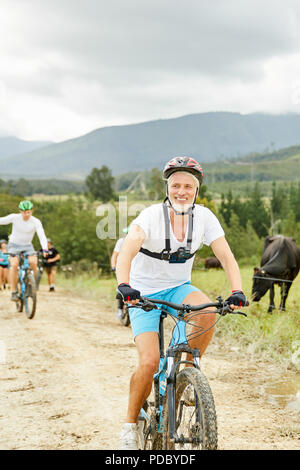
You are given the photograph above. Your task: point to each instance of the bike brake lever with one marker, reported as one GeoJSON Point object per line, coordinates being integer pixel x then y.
{"type": "Point", "coordinates": [146, 305]}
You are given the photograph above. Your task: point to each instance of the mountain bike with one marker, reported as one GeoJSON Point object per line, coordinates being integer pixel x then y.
{"type": "Point", "coordinates": [125, 319]}
{"type": "Point", "coordinates": [181, 413]}
{"type": "Point", "coordinates": [26, 287]}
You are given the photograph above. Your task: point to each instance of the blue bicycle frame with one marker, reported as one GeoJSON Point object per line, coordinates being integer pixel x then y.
{"type": "Point", "coordinates": [23, 267]}
{"type": "Point", "coordinates": [27, 287]}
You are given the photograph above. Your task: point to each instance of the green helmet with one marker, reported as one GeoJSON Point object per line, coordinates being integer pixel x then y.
{"type": "Point", "coordinates": [25, 205]}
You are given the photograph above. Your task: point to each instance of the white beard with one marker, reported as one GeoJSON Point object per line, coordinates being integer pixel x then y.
{"type": "Point", "coordinates": [181, 207]}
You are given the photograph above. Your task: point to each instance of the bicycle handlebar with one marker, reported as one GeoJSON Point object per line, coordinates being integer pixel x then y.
{"type": "Point", "coordinates": [221, 305]}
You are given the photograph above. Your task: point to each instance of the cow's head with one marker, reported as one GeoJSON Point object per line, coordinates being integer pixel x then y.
{"type": "Point", "coordinates": [260, 285]}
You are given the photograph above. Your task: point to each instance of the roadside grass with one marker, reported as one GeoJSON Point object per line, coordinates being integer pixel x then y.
{"type": "Point", "coordinates": [273, 337]}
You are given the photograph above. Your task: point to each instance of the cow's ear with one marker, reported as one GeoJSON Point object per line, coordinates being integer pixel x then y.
{"type": "Point", "coordinates": [268, 240]}
{"type": "Point", "coordinates": [256, 270]}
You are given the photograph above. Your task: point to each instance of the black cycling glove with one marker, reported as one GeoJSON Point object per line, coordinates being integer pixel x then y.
{"type": "Point", "coordinates": [237, 298]}
{"type": "Point", "coordinates": [128, 293]}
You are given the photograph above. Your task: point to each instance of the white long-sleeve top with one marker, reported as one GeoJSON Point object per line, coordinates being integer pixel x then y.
{"type": "Point", "coordinates": [23, 231]}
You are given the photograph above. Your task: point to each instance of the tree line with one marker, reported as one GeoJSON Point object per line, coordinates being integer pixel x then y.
{"type": "Point", "coordinates": [24, 187]}
{"type": "Point", "coordinates": [268, 216]}
{"type": "Point", "coordinates": [247, 219]}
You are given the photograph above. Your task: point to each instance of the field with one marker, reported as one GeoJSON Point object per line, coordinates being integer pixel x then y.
{"type": "Point", "coordinates": [273, 337]}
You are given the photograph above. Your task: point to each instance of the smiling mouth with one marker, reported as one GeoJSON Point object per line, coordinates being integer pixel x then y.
{"type": "Point", "coordinates": [181, 199]}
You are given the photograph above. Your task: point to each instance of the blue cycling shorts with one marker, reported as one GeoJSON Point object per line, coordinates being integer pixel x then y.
{"type": "Point", "coordinates": [142, 322]}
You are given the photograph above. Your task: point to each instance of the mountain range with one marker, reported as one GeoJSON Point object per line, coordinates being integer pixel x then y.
{"type": "Point", "coordinates": [10, 146]}
{"type": "Point", "coordinates": [209, 137]}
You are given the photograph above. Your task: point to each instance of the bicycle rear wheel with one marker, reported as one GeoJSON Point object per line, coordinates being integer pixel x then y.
{"type": "Point", "coordinates": [152, 439]}
{"type": "Point", "coordinates": [196, 420]}
{"type": "Point", "coordinates": [125, 320]}
{"type": "Point", "coordinates": [30, 296]}
{"type": "Point", "coordinates": [38, 278]}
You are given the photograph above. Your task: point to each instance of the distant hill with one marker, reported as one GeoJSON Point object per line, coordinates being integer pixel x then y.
{"type": "Point", "coordinates": [281, 165]}
{"type": "Point", "coordinates": [10, 146]}
{"type": "Point", "coordinates": [209, 137]}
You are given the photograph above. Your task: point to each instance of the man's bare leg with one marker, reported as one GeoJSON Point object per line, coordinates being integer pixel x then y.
{"type": "Point", "coordinates": [141, 380]}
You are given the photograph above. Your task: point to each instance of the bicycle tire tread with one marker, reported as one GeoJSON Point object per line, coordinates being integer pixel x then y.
{"type": "Point", "coordinates": [197, 379]}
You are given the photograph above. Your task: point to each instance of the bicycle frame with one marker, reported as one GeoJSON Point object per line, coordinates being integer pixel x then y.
{"type": "Point", "coordinates": [165, 378]}
{"type": "Point", "coordinates": [22, 272]}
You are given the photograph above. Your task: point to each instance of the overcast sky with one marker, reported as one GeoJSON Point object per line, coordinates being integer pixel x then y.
{"type": "Point", "coordinates": [68, 67]}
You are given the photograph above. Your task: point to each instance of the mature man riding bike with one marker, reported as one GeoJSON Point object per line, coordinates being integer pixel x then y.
{"type": "Point", "coordinates": [156, 260]}
{"type": "Point", "coordinates": [24, 226]}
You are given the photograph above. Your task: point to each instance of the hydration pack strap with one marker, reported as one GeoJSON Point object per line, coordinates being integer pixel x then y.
{"type": "Point", "coordinates": [166, 254]}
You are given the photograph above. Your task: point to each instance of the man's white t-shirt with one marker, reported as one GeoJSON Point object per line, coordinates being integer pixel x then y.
{"type": "Point", "coordinates": [150, 275]}
{"type": "Point", "coordinates": [23, 231]}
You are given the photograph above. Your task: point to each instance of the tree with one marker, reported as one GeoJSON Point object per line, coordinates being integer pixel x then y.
{"type": "Point", "coordinates": [100, 184]}
{"type": "Point", "coordinates": [157, 185]}
{"type": "Point", "coordinates": [294, 199]}
{"type": "Point", "coordinates": [258, 214]}
{"type": "Point", "coordinates": [226, 207]}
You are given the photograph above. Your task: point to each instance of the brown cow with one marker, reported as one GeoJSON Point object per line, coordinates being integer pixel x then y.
{"type": "Point", "coordinates": [280, 264]}
{"type": "Point", "coordinates": [212, 262]}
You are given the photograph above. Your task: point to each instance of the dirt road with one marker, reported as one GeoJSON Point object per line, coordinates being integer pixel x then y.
{"type": "Point", "coordinates": [64, 381]}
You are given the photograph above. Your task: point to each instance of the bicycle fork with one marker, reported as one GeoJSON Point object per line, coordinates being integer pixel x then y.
{"type": "Point", "coordinates": [172, 369]}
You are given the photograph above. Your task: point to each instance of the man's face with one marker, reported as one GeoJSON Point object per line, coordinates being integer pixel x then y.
{"type": "Point", "coordinates": [26, 214]}
{"type": "Point", "coordinates": [182, 190]}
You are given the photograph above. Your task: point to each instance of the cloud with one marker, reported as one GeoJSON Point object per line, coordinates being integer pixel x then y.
{"type": "Point", "coordinates": [72, 66]}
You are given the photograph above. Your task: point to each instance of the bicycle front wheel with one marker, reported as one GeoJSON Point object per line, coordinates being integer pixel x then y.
{"type": "Point", "coordinates": [20, 301]}
{"type": "Point", "coordinates": [196, 420]}
{"type": "Point", "coordinates": [30, 296]}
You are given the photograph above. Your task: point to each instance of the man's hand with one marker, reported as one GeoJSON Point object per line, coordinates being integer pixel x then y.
{"type": "Point", "coordinates": [128, 293]}
{"type": "Point", "coordinates": [45, 253]}
{"type": "Point", "coordinates": [237, 299]}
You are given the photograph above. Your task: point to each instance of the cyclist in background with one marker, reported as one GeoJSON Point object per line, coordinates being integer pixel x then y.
{"type": "Point", "coordinates": [156, 261]}
{"type": "Point", "coordinates": [24, 226]}
{"type": "Point", "coordinates": [50, 261]}
{"type": "Point", "coordinates": [4, 264]}
{"type": "Point", "coordinates": [113, 263]}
